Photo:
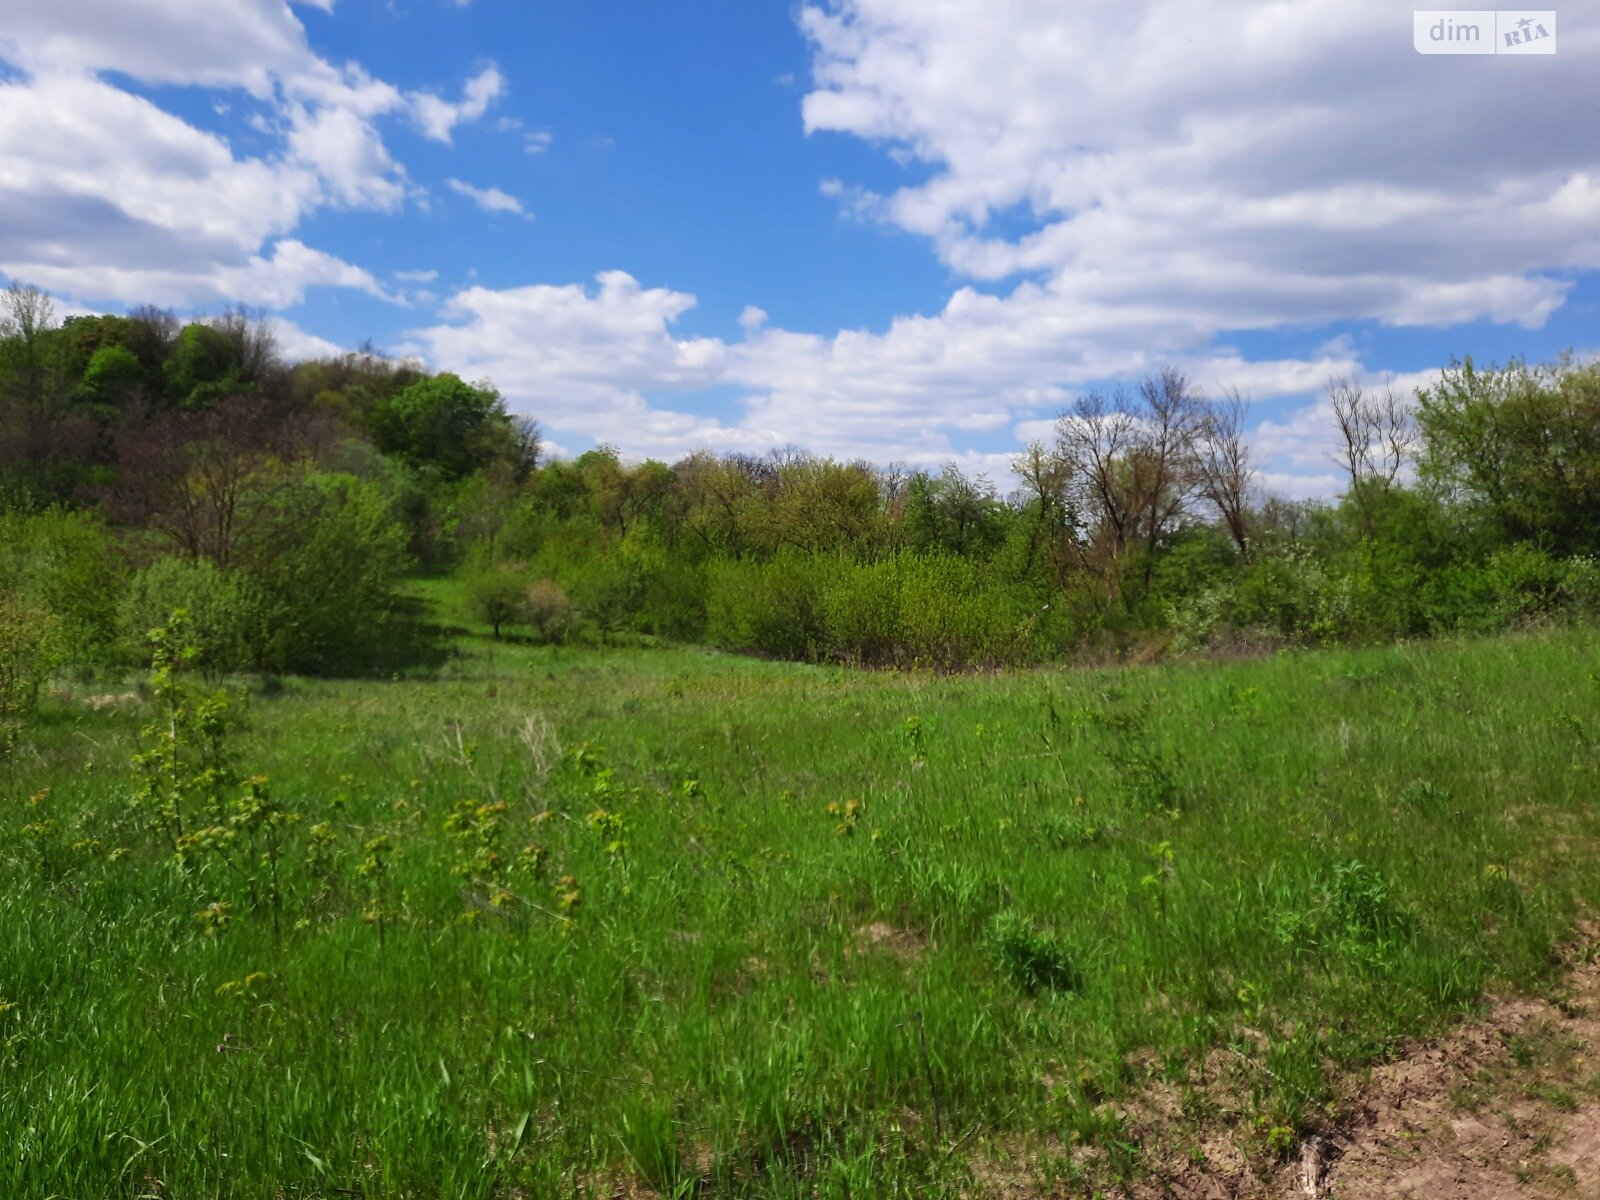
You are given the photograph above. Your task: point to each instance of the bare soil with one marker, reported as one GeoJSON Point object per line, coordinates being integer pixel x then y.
{"type": "Point", "coordinates": [1505, 1106]}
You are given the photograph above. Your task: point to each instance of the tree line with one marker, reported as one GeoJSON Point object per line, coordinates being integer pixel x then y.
{"type": "Point", "coordinates": [148, 464]}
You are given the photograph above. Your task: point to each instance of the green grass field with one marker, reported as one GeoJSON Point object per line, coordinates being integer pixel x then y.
{"type": "Point", "coordinates": [751, 928]}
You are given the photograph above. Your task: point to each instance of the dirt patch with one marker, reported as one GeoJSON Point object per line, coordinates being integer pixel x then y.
{"type": "Point", "coordinates": [1508, 1105]}
{"type": "Point", "coordinates": [111, 700]}
{"type": "Point", "coordinates": [905, 944]}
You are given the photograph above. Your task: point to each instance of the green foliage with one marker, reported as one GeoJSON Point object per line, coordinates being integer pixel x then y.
{"type": "Point", "coordinates": [184, 765]}
{"type": "Point", "coordinates": [768, 608]}
{"type": "Point", "coordinates": [201, 367]}
{"type": "Point", "coordinates": [114, 375]}
{"type": "Point", "coordinates": [931, 610]}
{"type": "Point", "coordinates": [227, 615]}
{"type": "Point", "coordinates": [498, 597]}
{"type": "Point", "coordinates": [1353, 912]}
{"type": "Point", "coordinates": [440, 424]}
{"type": "Point", "coordinates": [325, 556]}
{"type": "Point", "coordinates": [30, 649]}
{"type": "Point", "coordinates": [951, 513]}
{"type": "Point", "coordinates": [1033, 960]}
{"type": "Point", "coordinates": [753, 945]}
{"type": "Point", "coordinates": [1521, 445]}
{"type": "Point", "coordinates": [549, 612]}
{"type": "Point", "coordinates": [64, 564]}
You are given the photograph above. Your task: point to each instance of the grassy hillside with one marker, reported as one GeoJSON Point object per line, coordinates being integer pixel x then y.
{"type": "Point", "coordinates": [561, 920]}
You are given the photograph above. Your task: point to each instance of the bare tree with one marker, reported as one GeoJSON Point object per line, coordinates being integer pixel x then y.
{"type": "Point", "coordinates": [1094, 438]}
{"type": "Point", "coordinates": [1284, 520]}
{"type": "Point", "coordinates": [1222, 465]}
{"type": "Point", "coordinates": [162, 323]}
{"type": "Point", "coordinates": [527, 443]}
{"type": "Point", "coordinates": [1378, 436]}
{"type": "Point", "coordinates": [202, 479]}
{"type": "Point", "coordinates": [255, 345]}
{"type": "Point", "coordinates": [893, 480]}
{"type": "Point", "coordinates": [1173, 411]}
{"type": "Point", "coordinates": [1046, 479]}
{"type": "Point", "coordinates": [1131, 463]}
{"type": "Point", "coordinates": [25, 313]}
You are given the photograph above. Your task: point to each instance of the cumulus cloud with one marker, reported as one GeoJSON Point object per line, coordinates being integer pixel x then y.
{"type": "Point", "coordinates": [277, 278]}
{"type": "Point", "coordinates": [490, 199]}
{"type": "Point", "coordinates": [579, 357]}
{"type": "Point", "coordinates": [1249, 166]}
{"type": "Point", "coordinates": [606, 363]}
{"type": "Point", "coordinates": [1113, 185]}
{"type": "Point", "coordinates": [296, 345]}
{"type": "Point", "coordinates": [103, 193]}
{"type": "Point", "coordinates": [438, 118]}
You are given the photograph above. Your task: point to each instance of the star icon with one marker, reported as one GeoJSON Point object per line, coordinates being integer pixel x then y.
{"type": "Point", "coordinates": [1524, 23]}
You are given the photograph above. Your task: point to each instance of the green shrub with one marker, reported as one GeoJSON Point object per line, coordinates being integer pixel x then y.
{"type": "Point", "coordinates": [64, 564]}
{"type": "Point", "coordinates": [1033, 960]}
{"type": "Point", "coordinates": [860, 612]}
{"type": "Point", "coordinates": [768, 608]}
{"type": "Point", "coordinates": [1527, 582]}
{"type": "Point", "coordinates": [30, 649]}
{"type": "Point", "coordinates": [498, 597]}
{"type": "Point", "coordinates": [325, 555]}
{"type": "Point", "coordinates": [952, 617]}
{"type": "Point", "coordinates": [927, 609]}
{"type": "Point", "coordinates": [1580, 585]}
{"type": "Point", "coordinates": [227, 619]}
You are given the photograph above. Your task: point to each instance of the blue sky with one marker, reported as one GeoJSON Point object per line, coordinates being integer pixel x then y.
{"type": "Point", "coordinates": [676, 152]}
{"type": "Point", "coordinates": [882, 228]}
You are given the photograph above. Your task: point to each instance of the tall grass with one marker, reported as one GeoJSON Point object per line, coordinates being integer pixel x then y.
{"type": "Point", "coordinates": [559, 920]}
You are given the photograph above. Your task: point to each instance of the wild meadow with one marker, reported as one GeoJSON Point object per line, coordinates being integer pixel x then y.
{"type": "Point", "coordinates": [389, 809]}
{"type": "Point", "coordinates": [552, 920]}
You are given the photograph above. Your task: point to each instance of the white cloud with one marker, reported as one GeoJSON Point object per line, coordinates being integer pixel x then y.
{"type": "Point", "coordinates": [1234, 166]}
{"type": "Point", "coordinates": [490, 199]}
{"type": "Point", "coordinates": [437, 118]}
{"type": "Point", "coordinates": [103, 192]}
{"type": "Point", "coordinates": [277, 278]}
{"type": "Point", "coordinates": [1135, 181]}
{"type": "Point", "coordinates": [296, 345]}
{"type": "Point", "coordinates": [605, 363]}
{"type": "Point", "coordinates": [579, 357]}
{"type": "Point", "coordinates": [249, 44]}
{"type": "Point", "coordinates": [1114, 185]}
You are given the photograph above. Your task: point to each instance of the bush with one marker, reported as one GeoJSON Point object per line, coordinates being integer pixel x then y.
{"type": "Point", "coordinates": [498, 597]}
{"type": "Point", "coordinates": [927, 609]}
{"type": "Point", "coordinates": [325, 555]}
{"type": "Point", "coordinates": [226, 612]}
{"type": "Point", "coordinates": [64, 564]}
{"type": "Point", "coordinates": [547, 610]}
{"type": "Point", "coordinates": [1526, 581]}
{"type": "Point", "coordinates": [861, 614]}
{"type": "Point", "coordinates": [30, 649]}
{"type": "Point", "coordinates": [952, 617]}
{"type": "Point", "coordinates": [766, 607]}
